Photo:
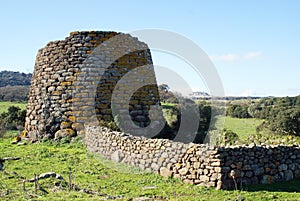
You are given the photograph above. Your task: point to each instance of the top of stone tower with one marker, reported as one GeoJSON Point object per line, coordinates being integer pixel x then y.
{"type": "Point", "coordinates": [93, 32]}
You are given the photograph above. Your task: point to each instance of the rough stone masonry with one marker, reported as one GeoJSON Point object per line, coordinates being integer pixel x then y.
{"type": "Point", "coordinates": [74, 80]}
{"type": "Point", "coordinates": [198, 164]}
{"type": "Point", "coordinates": [80, 81]}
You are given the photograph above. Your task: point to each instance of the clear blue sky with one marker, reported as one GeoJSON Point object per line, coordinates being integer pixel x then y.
{"type": "Point", "coordinates": [255, 45]}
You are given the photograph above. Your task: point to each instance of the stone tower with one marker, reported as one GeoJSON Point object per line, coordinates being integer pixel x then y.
{"type": "Point", "coordinates": [90, 76]}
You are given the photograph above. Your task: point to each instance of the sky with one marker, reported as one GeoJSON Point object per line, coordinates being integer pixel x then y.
{"type": "Point", "coordinates": [254, 45]}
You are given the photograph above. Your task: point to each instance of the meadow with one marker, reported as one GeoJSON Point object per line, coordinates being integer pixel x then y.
{"type": "Point", "coordinates": [247, 133]}
{"type": "Point", "coordinates": [243, 127]}
{"type": "Point", "coordinates": [98, 178]}
{"type": "Point", "coordinates": [90, 177]}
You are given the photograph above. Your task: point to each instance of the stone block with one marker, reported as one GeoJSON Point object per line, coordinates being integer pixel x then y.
{"type": "Point", "coordinates": [165, 172]}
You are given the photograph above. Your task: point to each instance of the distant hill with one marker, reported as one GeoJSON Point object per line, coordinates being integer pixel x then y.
{"type": "Point", "coordinates": [10, 78]}
{"type": "Point", "coordinates": [199, 94]}
{"type": "Point", "coordinates": [14, 86]}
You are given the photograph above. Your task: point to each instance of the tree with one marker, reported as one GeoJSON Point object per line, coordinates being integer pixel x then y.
{"type": "Point", "coordinates": [14, 93]}
{"type": "Point", "coordinates": [166, 95]}
{"type": "Point", "coordinates": [238, 111]}
{"type": "Point", "coordinates": [285, 121]}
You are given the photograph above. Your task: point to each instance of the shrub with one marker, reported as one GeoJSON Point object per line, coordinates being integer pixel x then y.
{"type": "Point", "coordinates": [13, 119]}
{"type": "Point", "coordinates": [172, 116]}
{"type": "Point", "coordinates": [285, 121]}
{"type": "Point", "coordinates": [229, 137]}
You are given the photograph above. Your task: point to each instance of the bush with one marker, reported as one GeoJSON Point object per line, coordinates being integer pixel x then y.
{"type": "Point", "coordinates": [13, 119]}
{"type": "Point", "coordinates": [172, 114]}
{"type": "Point", "coordinates": [229, 137]}
{"type": "Point", "coordinates": [285, 121]}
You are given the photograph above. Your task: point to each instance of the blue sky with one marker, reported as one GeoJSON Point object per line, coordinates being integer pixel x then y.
{"type": "Point", "coordinates": [255, 45]}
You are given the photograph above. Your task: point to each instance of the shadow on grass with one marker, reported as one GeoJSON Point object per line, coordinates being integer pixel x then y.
{"type": "Point", "coordinates": [285, 186]}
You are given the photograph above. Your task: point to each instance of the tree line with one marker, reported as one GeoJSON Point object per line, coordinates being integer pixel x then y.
{"type": "Point", "coordinates": [281, 115]}
{"type": "Point", "coordinates": [14, 86]}
{"type": "Point", "coordinates": [11, 78]}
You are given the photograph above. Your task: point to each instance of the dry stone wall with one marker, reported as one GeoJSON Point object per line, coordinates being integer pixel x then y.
{"type": "Point", "coordinates": [74, 80]}
{"type": "Point", "coordinates": [198, 164]}
{"type": "Point", "coordinates": [253, 164]}
{"type": "Point", "coordinates": [93, 76]}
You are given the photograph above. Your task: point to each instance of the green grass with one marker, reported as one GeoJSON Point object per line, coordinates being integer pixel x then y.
{"type": "Point", "coordinates": [243, 127]}
{"type": "Point", "coordinates": [246, 130]}
{"type": "Point", "coordinates": [168, 105]}
{"type": "Point", "coordinates": [5, 105]}
{"type": "Point", "coordinates": [111, 180]}
{"type": "Point", "coordinates": [106, 178]}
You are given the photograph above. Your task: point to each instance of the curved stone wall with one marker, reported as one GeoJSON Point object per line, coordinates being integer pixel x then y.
{"type": "Point", "coordinates": [198, 164]}
{"type": "Point", "coordinates": [74, 80]}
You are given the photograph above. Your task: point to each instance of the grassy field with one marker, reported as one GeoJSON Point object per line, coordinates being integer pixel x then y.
{"type": "Point", "coordinates": [96, 178]}
{"type": "Point", "coordinates": [243, 127]}
{"type": "Point", "coordinates": [246, 130]}
{"type": "Point", "coordinates": [5, 105]}
{"type": "Point", "coordinates": [104, 179]}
